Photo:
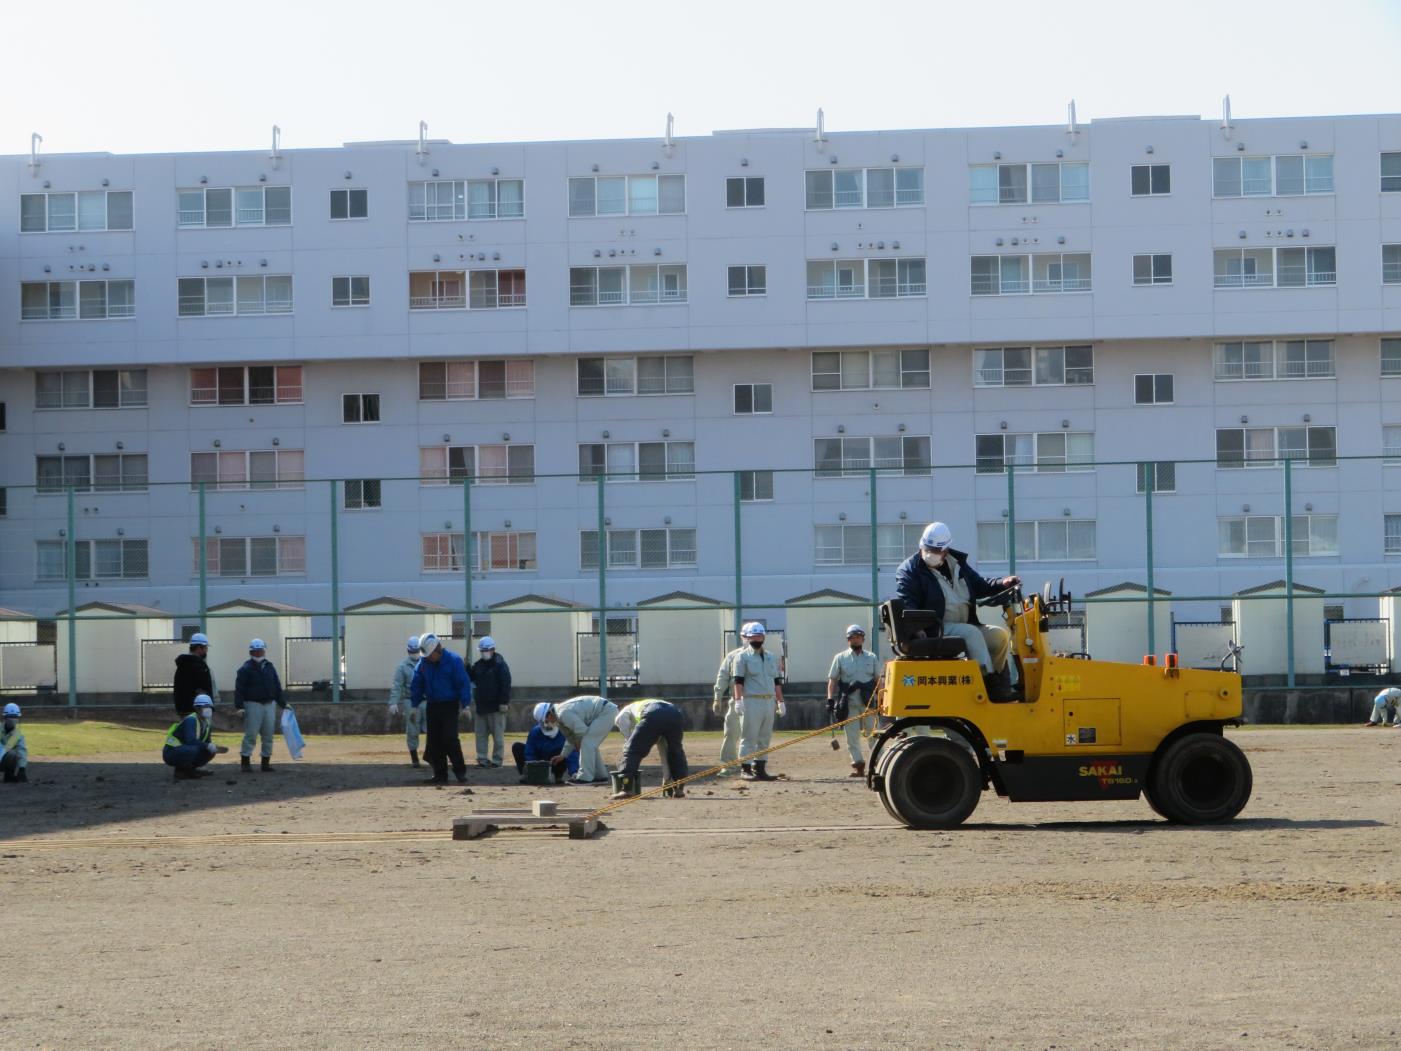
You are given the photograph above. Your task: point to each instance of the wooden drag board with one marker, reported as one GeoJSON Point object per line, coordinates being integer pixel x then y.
{"type": "Point", "coordinates": [580, 824]}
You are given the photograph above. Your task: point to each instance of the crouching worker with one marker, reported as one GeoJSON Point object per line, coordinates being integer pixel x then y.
{"type": "Point", "coordinates": [645, 723]}
{"type": "Point", "coordinates": [188, 745]}
{"type": "Point", "coordinates": [14, 755]}
{"type": "Point", "coordinates": [585, 721]}
{"type": "Point", "coordinates": [543, 744]}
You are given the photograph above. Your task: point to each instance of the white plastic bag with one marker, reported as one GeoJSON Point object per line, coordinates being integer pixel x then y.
{"type": "Point", "coordinates": [292, 733]}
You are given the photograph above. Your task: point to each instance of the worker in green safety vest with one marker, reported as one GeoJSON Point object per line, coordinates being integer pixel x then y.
{"type": "Point", "coordinates": [189, 743]}
{"type": "Point", "coordinates": [14, 755]}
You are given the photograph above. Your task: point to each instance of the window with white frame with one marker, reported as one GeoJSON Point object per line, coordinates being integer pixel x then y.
{"type": "Point", "coordinates": [252, 556]}
{"type": "Point", "coordinates": [1286, 175]}
{"type": "Point", "coordinates": [1033, 366]}
{"type": "Point", "coordinates": [1391, 534]}
{"type": "Point", "coordinates": [634, 461]}
{"type": "Point", "coordinates": [647, 374]}
{"type": "Point", "coordinates": [1150, 180]}
{"type": "Point", "coordinates": [249, 469]}
{"type": "Point", "coordinates": [350, 291]}
{"type": "Point", "coordinates": [447, 552]}
{"type": "Point", "coordinates": [1005, 275]}
{"type": "Point", "coordinates": [1391, 264]}
{"type": "Point", "coordinates": [755, 486]}
{"type": "Point", "coordinates": [1275, 360]}
{"type": "Point", "coordinates": [1160, 476]}
{"type": "Point", "coordinates": [745, 191]}
{"type": "Point", "coordinates": [245, 294]}
{"type": "Point", "coordinates": [870, 369]}
{"type": "Point", "coordinates": [360, 408]}
{"type": "Point", "coordinates": [235, 206]}
{"type": "Point", "coordinates": [602, 286]}
{"type": "Point", "coordinates": [127, 559]}
{"type": "Point", "coordinates": [1275, 267]}
{"type": "Point", "coordinates": [485, 464]}
{"type": "Point", "coordinates": [350, 204]}
{"type": "Point", "coordinates": [905, 454]}
{"type": "Point", "coordinates": [456, 199]}
{"type": "Point", "coordinates": [495, 289]}
{"type": "Point", "coordinates": [627, 195]}
{"type": "Point", "coordinates": [753, 398]}
{"type": "Point", "coordinates": [1047, 451]}
{"type": "Point", "coordinates": [1153, 388]}
{"type": "Point", "coordinates": [1270, 446]}
{"type": "Point", "coordinates": [361, 494]}
{"type": "Point", "coordinates": [850, 545]}
{"type": "Point", "coordinates": [1391, 357]}
{"type": "Point", "coordinates": [1152, 269]}
{"type": "Point", "coordinates": [100, 473]}
{"type": "Point", "coordinates": [1391, 173]}
{"type": "Point", "coordinates": [1065, 182]}
{"type": "Point", "coordinates": [246, 385]}
{"type": "Point", "coordinates": [1391, 445]}
{"type": "Point", "coordinates": [748, 281]}
{"type": "Point", "coordinates": [83, 210]}
{"type": "Point", "coordinates": [76, 300]}
{"type": "Point", "coordinates": [485, 380]}
{"type": "Point", "coordinates": [437, 289]}
{"type": "Point", "coordinates": [1048, 540]}
{"type": "Point", "coordinates": [865, 278]}
{"type": "Point", "coordinates": [669, 548]}
{"type": "Point", "coordinates": [90, 389]}
{"type": "Point", "coordinates": [864, 188]}
{"type": "Point", "coordinates": [1262, 536]}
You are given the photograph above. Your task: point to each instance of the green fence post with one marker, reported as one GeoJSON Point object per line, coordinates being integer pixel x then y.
{"type": "Point", "coordinates": [335, 599]}
{"type": "Point", "coordinates": [203, 566]}
{"type": "Point", "coordinates": [467, 562]}
{"type": "Point", "coordinates": [875, 572]}
{"type": "Point", "coordinates": [739, 562]}
{"type": "Point", "coordinates": [1011, 519]}
{"type": "Point", "coordinates": [1289, 570]}
{"type": "Point", "coordinates": [70, 558]}
{"type": "Point", "coordinates": [1149, 474]}
{"type": "Point", "coordinates": [602, 591]}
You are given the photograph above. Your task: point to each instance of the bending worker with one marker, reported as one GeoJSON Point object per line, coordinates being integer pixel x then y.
{"type": "Point", "coordinates": [189, 744]}
{"type": "Point", "coordinates": [542, 744]}
{"type": "Point", "coordinates": [441, 685]}
{"type": "Point", "coordinates": [399, 700]}
{"type": "Point", "coordinates": [644, 723]}
{"type": "Point", "coordinates": [852, 677]}
{"type": "Point", "coordinates": [1389, 700]}
{"type": "Point", "coordinates": [722, 705]}
{"type": "Point", "coordinates": [758, 686]}
{"type": "Point", "coordinates": [585, 722]}
{"type": "Point", "coordinates": [14, 755]}
{"type": "Point", "coordinates": [938, 578]}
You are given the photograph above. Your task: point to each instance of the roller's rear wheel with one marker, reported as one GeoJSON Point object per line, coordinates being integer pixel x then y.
{"type": "Point", "coordinates": [1200, 779]}
{"type": "Point", "coordinates": [931, 783]}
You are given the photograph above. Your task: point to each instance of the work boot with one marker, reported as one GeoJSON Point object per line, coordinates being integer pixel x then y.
{"type": "Point", "coordinates": [1370, 725]}
{"type": "Point", "coordinates": [746, 772]}
{"type": "Point", "coordinates": [999, 686]}
{"type": "Point", "coordinates": [413, 756]}
{"type": "Point", "coordinates": [184, 774]}
{"type": "Point", "coordinates": [761, 771]}
{"type": "Point", "coordinates": [267, 765]}
{"type": "Point", "coordinates": [23, 776]}
{"type": "Point", "coordinates": [858, 769]}
{"type": "Point", "coordinates": [245, 763]}
{"type": "Point", "coordinates": [461, 776]}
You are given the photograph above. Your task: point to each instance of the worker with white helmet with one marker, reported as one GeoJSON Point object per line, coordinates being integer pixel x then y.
{"type": "Point", "coordinates": [646, 723]}
{"type": "Point", "coordinates": [758, 686]}
{"type": "Point", "coordinates": [491, 699]}
{"type": "Point", "coordinates": [192, 675]}
{"type": "Point", "coordinates": [1388, 700]}
{"type": "Point", "coordinates": [585, 721]}
{"type": "Point", "coordinates": [399, 700]}
{"type": "Point", "coordinates": [850, 682]}
{"type": "Point", "coordinates": [259, 695]}
{"type": "Point", "coordinates": [938, 578]}
{"type": "Point", "coordinates": [723, 704]}
{"type": "Point", "coordinates": [14, 755]}
{"type": "Point", "coordinates": [189, 743]}
{"type": "Point", "coordinates": [443, 688]}
{"type": "Point", "coordinates": [542, 744]}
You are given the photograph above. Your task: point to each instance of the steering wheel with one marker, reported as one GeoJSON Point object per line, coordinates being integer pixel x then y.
{"type": "Point", "coordinates": [1005, 597]}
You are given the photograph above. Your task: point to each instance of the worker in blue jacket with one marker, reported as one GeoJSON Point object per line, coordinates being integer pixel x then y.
{"type": "Point", "coordinates": [442, 684]}
{"type": "Point", "coordinates": [543, 743]}
{"type": "Point", "coordinates": [189, 743]}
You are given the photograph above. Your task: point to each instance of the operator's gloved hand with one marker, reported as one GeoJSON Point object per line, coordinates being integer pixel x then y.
{"type": "Point", "coordinates": [1010, 582]}
{"type": "Point", "coordinates": [781, 710]}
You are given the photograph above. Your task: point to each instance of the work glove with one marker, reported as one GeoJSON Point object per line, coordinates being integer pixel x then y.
{"type": "Point", "coordinates": [393, 707]}
{"type": "Point", "coordinates": [781, 710]}
{"type": "Point", "coordinates": [739, 705]}
{"type": "Point", "coordinates": [717, 706]}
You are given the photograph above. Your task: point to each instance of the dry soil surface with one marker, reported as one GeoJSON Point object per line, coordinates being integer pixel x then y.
{"type": "Point", "coordinates": [326, 906]}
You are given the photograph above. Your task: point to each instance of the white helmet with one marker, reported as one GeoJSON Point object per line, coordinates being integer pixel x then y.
{"type": "Point", "coordinates": [487, 643]}
{"type": "Point", "coordinates": [752, 629]}
{"type": "Point", "coordinates": [541, 710]}
{"type": "Point", "coordinates": [936, 535]}
{"type": "Point", "coordinates": [199, 638]}
{"type": "Point", "coordinates": [413, 644]}
{"type": "Point", "coordinates": [428, 643]}
{"type": "Point", "coordinates": [855, 629]}
{"type": "Point", "coordinates": [12, 711]}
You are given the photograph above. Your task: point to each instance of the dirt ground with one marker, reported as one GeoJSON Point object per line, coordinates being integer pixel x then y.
{"type": "Point", "coordinates": [326, 906]}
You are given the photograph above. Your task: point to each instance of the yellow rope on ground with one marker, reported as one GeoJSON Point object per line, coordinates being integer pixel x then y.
{"type": "Point", "coordinates": [870, 711]}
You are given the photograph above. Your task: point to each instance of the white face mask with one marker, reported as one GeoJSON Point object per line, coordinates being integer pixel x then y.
{"type": "Point", "coordinates": [933, 559]}
{"type": "Point", "coordinates": [549, 731]}
{"type": "Point", "coordinates": [207, 714]}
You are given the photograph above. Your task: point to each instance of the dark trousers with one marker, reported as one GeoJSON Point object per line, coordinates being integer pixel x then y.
{"type": "Point", "coordinates": [657, 724]}
{"type": "Point", "coordinates": [443, 744]}
{"type": "Point", "coordinates": [186, 756]}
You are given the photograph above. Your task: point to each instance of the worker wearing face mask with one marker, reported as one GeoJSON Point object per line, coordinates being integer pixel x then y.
{"type": "Point", "coordinates": [938, 578]}
{"type": "Point", "coordinates": [758, 690]}
{"type": "Point", "coordinates": [14, 755]}
{"type": "Point", "coordinates": [850, 683]}
{"type": "Point", "coordinates": [258, 694]}
{"type": "Point", "coordinates": [400, 687]}
{"type": "Point", "coordinates": [189, 743]}
{"type": "Point", "coordinates": [542, 744]}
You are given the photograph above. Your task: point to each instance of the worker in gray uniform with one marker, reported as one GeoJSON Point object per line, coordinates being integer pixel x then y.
{"type": "Point", "coordinates": [729, 744]}
{"type": "Point", "coordinates": [758, 689]}
{"type": "Point", "coordinates": [850, 683]}
{"type": "Point", "coordinates": [400, 688]}
{"type": "Point", "coordinates": [586, 721]}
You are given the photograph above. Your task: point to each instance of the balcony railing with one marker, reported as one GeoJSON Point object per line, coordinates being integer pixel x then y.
{"type": "Point", "coordinates": [1245, 280]}
{"type": "Point", "coordinates": [443, 302]}
{"type": "Point", "coordinates": [190, 217]}
{"type": "Point", "coordinates": [836, 291]}
{"type": "Point", "coordinates": [511, 299]}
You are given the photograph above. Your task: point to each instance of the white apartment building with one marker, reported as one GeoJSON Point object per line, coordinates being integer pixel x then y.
{"type": "Point", "coordinates": [799, 307]}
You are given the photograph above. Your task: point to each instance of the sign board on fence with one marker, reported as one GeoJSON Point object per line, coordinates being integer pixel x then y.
{"type": "Point", "coordinates": [1205, 645]}
{"type": "Point", "coordinates": [27, 665]}
{"type": "Point", "coordinates": [1067, 640]}
{"type": "Point", "coordinates": [622, 657]}
{"type": "Point", "coordinates": [1358, 643]}
{"type": "Point", "coordinates": [158, 663]}
{"type": "Point", "coordinates": [308, 661]}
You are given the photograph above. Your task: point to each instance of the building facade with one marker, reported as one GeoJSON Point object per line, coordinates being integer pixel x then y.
{"type": "Point", "coordinates": [1091, 306]}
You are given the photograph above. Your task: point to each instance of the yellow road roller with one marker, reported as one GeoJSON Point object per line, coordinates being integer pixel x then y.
{"type": "Point", "coordinates": [1076, 728]}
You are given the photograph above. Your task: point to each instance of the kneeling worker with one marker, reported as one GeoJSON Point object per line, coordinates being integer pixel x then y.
{"type": "Point", "coordinates": [542, 744]}
{"type": "Point", "coordinates": [189, 744]}
{"type": "Point", "coordinates": [939, 578]}
{"type": "Point", "coordinates": [644, 723]}
{"type": "Point", "coordinates": [14, 755]}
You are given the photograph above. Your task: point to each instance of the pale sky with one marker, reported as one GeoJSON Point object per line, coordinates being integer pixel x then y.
{"type": "Point", "coordinates": [153, 75]}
